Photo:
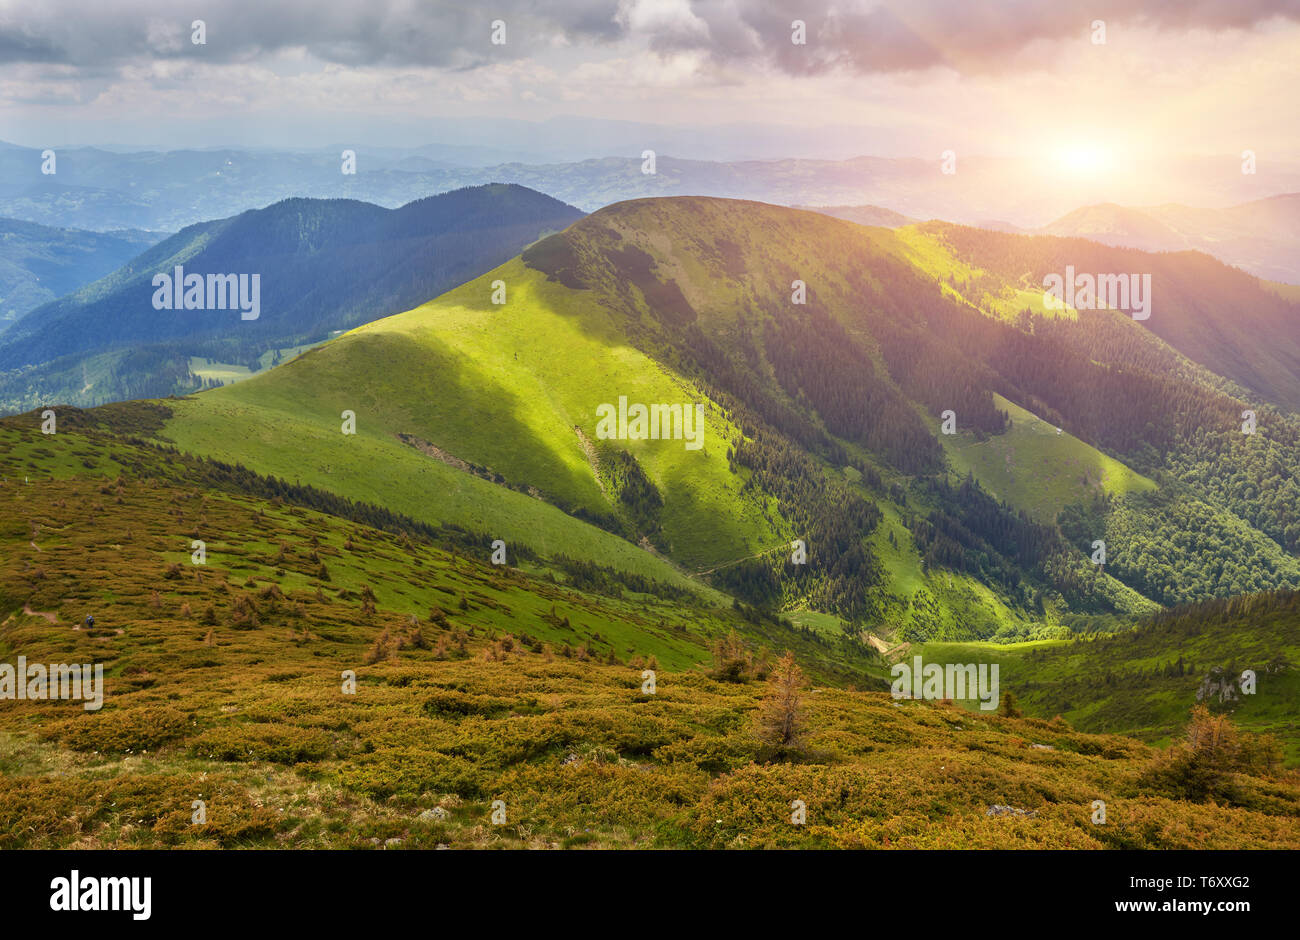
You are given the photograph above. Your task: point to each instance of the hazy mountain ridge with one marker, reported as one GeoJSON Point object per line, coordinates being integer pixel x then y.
{"type": "Point", "coordinates": [99, 189]}
{"type": "Point", "coordinates": [39, 264]}
{"type": "Point", "coordinates": [1216, 315]}
{"type": "Point", "coordinates": [863, 215]}
{"type": "Point", "coordinates": [323, 265]}
{"type": "Point", "coordinates": [1259, 237]}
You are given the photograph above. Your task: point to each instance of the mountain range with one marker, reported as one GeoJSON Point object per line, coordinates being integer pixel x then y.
{"type": "Point", "coordinates": [558, 517]}
{"type": "Point", "coordinates": [323, 266]}
{"type": "Point", "coordinates": [821, 419]}
{"type": "Point", "coordinates": [100, 189]}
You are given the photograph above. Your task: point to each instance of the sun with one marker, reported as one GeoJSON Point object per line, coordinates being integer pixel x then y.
{"type": "Point", "coordinates": [1084, 160]}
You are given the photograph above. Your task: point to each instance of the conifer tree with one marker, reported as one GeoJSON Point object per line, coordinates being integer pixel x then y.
{"type": "Point", "coordinates": [781, 716]}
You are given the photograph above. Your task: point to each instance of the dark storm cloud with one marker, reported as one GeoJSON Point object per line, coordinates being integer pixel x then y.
{"type": "Point", "coordinates": [909, 35]}
{"type": "Point", "coordinates": [860, 35]}
{"type": "Point", "coordinates": [354, 32]}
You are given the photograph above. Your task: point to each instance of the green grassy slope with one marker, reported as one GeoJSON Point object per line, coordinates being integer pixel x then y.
{"type": "Point", "coordinates": [995, 295]}
{"type": "Point", "coordinates": [54, 481]}
{"type": "Point", "coordinates": [1038, 468]}
{"type": "Point", "coordinates": [404, 480]}
{"type": "Point", "coordinates": [1131, 683]}
{"type": "Point", "coordinates": [1228, 321]}
{"type": "Point", "coordinates": [483, 383]}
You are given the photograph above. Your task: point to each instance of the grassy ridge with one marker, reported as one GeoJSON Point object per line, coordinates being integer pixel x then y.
{"type": "Point", "coordinates": [483, 383]}
{"type": "Point", "coordinates": [923, 247]}
{"type": "Point", "coordinates": [634, 292]}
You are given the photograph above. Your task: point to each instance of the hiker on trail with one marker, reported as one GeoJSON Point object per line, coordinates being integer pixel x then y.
{"type": "Point", "coordinates": [90, 621]}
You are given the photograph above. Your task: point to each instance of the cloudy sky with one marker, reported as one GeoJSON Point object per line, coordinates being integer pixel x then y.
{"type": "Point", "coordinates": [1008, 77]}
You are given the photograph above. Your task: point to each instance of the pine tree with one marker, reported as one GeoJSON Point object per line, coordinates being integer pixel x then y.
{"type": "Point", "coordinates": [1008, 708]}
{"type": "Point", "coordinates": [781, 714]}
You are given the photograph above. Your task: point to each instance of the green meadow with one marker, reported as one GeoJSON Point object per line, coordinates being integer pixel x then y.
{"type": "Point", "coordinates": [1038, 467]}
{"type": "Point", "coordinates": [483, 383]}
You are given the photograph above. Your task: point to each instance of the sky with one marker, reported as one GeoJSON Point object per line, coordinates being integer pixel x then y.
{"type": "Point", "coordinates": [1012, 77]}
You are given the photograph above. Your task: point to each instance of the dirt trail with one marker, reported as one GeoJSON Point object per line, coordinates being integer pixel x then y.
{"type": "Point", "coordinates": [767, 551]}
{"type": "Point", "coordinates": [27, 609]}
{"type": "Point", "coordinates": [593, 459]}
{"type": "Point", "coordinates": [877, 643]}
{"type": "Point", "coordinates": [437, 453]}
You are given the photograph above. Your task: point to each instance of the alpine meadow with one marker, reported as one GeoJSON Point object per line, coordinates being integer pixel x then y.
{"type": "Point", "coordinates": [650, 425]}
